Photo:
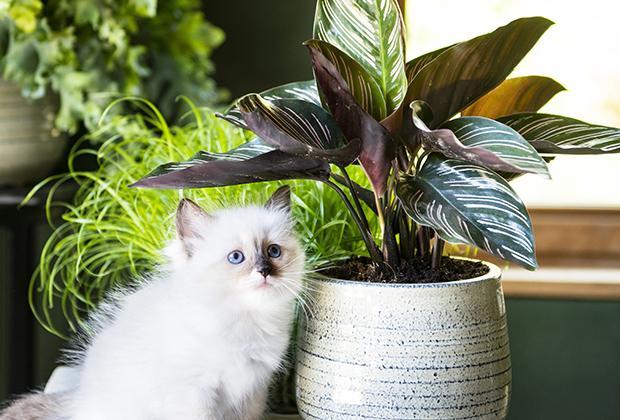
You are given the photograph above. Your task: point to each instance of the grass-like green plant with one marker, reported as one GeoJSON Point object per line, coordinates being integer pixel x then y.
{"type": "Point", "coordinates": [438, 137]}
{"type": "Point", "coordinates": [111, 233]}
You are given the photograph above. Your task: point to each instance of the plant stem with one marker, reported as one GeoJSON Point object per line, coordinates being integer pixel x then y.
{"type": "Point", "coordinates": [390, 247]}
{"type": "Point", "coordinates": [437, 252]}
{"type": "Point", "coordinates": [422, 238]}
{"type": "Point", "coordinates": [404, 234]}
{"type": "Point", "coordinates": [356, 200]}
{"type": "Point", "coordinates": [380, 213]}
{"type": "Point", "coordinates": [373, 251]}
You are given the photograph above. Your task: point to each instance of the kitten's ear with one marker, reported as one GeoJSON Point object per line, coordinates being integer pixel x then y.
{"type": "Point", "coordinates": [190, 218]}
{"type": "Point", "coordinates": [281, 199]}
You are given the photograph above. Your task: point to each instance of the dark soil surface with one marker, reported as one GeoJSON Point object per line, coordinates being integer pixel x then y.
{"type": "Point", "coordinates": [417, 271]}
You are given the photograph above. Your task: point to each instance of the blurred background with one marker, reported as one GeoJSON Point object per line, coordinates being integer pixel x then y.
{"type": "Point", "coordinates": [564, 319]}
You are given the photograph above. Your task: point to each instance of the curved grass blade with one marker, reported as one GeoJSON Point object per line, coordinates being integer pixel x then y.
{"type": "Point", "coordinates": [477, 140]}
{"type": "Point", "coordinates": [370, 32]}
{"type": "Point", "coordinates": [516, 95]}
{"type": "Point", "coordinates": [378, 146]}
{"type": "Point", "coordinates": [362, 85]}
{"type": "Point", "coordinates": [305, 91]}
{"type": "Point", "coordinates": [556, 134]}
{"type": "Point", "coordinates": [254, 161]}
{"type": "Point", "coordinates": [298, 127]}
{"type": "Point", "coordinates": [466, 203]}
{"type": "Point", "coordinates": [468, 70]}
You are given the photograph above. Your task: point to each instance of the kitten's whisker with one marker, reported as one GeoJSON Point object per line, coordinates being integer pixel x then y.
{"type": "Point", "coordinates": [298, 296]}
{"type": "Point", "coordinates": [288, 264]}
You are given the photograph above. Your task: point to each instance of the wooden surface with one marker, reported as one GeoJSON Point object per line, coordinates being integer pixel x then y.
{"type": "Point", "coordinates": [562, 283]}
{"type": "Point", "coordinates": [577, 237]}
{"type": "Point", "coordinates": [578, 251]}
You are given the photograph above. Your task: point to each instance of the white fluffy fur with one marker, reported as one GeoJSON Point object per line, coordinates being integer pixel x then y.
{"type": "Point", "coordinates": [202, 338]}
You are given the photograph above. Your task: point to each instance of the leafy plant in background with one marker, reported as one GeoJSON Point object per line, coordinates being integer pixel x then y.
{"type": "Point", "coordinates": [110, 233]}
{"type": "Point", "coordinates": [438, 137]}
{"type": "Point", "coordinates": [89, 50]}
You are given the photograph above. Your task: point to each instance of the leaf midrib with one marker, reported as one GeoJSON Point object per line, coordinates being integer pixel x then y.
{"type": "Point", "coordinates": [382, 53]}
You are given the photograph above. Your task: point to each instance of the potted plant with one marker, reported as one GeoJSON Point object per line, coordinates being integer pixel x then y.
{"type": "Point", "coordinates": [404, 331]}
{"type": "Point", "coordinates": [61, 63]}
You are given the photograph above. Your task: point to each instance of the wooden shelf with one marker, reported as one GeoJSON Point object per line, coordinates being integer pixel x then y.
{"type": "Point", "coordinates": [562, 283]}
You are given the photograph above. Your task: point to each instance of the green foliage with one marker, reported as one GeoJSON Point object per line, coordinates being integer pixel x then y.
{"type": "Point", "coordinates": [111, 233]}
{"type": "Point", "coordinates": [87, 52]}
{"type": "Point", "coordinates": [433, 177]}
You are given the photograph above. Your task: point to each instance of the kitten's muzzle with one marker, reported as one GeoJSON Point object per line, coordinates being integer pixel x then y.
{"type": "Point", "coordinates": [263, 267]}
{"type": "Point", "coordinates": [264, 271]}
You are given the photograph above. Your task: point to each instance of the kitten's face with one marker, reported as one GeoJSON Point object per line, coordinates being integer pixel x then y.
{"type": "Point", "coordinates": [249, 251]}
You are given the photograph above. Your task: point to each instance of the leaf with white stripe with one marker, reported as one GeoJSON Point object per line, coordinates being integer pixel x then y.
{"type": "Point", "coordinates": [519, 94]}
{"type": "Point", "coordinates": [298, 127]}
{"type": "Point", "coordinates": [468, 70]}
{"type": "Point", "coordinates": [477, 140]}
{"type": "Point", "coordinates": [413, 67]}
{"type": "Point", "coordinates": [500, 139]}
{"type": "Point", "coordinates": [469, 204]}
{"type": "Point", "coordinates": [361, 85]}
{"type": "Point", "coordinates": [370, 32]}
{"type": "Point", "coordinates": [254, 161]}
{"type": "Point", "coordinates": [305, 91]}
{"type": "Point", "coordinates": [377, 144]}
{"type": "Point", "coordinates": [555, 134]}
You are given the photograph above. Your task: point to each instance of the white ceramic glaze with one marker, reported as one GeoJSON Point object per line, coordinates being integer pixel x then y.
{"type": "Point", "coordinates": [28, 151]}
{"type": "Point", "coordinates": [411, 351]}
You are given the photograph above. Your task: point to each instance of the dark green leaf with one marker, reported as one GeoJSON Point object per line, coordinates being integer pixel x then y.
{"type": "Point", "coordinates": [555, 134]}
{"type": "Point", "coordinates": [362, 85]}
{"type": "Point", "coordinates": [468, 70]}
{"type": "Point", "coordinates": [503, 141]}
{"type": "Point", "coordinates": [298, 127]}
{"type": "Point", "coordinates": [520, 94]}
{"type": "Point", "coordinates": [370, 32]}
{"type": "Point", "coordinates": [477, 140]}
{"type": "Point", "coordinates": [254, 161]}
{"type": "Point", "coordinates": [413, 67]}
{"type": "Point", "coordinates": [305, 91]}
{"type": "Point", "coordinates": [377, 143]}
{"type": "Point", "coordinates": [466, 203]}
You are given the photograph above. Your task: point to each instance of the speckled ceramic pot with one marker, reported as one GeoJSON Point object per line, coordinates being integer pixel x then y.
{"type": "Point", "coordinates": [414, 351]}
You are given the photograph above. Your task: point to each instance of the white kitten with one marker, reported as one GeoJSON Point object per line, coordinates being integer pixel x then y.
{"type": "Point", "coordinates": [202, 338]}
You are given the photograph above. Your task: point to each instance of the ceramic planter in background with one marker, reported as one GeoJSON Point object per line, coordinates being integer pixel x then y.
{"type": "Point", "coordinates": [405, 351]}
{"type": "Point", "coordinates": [28, 150]}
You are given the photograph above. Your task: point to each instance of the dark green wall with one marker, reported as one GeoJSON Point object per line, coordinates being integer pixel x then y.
{"type": "Point", "coordinates": [565, 358]}
{"type": "Point", "coordinates": [263, 43]}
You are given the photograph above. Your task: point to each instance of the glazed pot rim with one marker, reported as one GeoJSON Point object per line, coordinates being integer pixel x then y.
{"type": "Point", "coordinates": [494, 273]}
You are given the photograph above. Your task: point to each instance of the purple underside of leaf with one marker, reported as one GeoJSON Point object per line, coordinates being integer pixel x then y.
{"type": "Point", "coordinates": [444, 141]}
{"type": "Point", "coordinates": [298, 127]}
{"type": "Point", "coordinates": [271, 166]}
{"type": "Point", "coordinates": [265, 128]}
{"type": "Point", "coordinates": [377, 143]}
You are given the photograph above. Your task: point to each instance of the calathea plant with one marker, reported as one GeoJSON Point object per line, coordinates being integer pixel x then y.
{"type": "Point", "coordinates": [438, 137]}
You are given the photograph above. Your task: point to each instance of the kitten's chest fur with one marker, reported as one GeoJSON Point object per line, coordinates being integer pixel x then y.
{"type": "Point", "coordinates": [259, 339]}
{"type": "Point", "coordinates": [256, 347]}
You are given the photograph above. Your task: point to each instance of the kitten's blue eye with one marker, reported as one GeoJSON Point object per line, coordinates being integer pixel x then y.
{"type": "Point", "coordinates": [274, 251]}
{"type": "Point", "coordinates": [236, 257]}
